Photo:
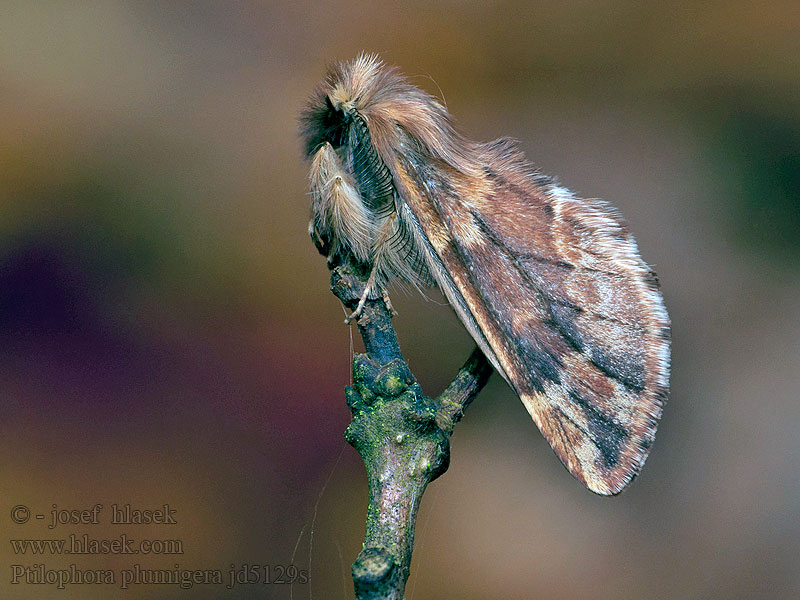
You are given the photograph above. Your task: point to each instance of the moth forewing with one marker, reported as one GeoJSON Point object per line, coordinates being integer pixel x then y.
{"type": "Point", "coordinates": [550, 286]}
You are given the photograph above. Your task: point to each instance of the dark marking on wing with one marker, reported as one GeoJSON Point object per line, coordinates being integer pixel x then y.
{"type": "Point", "coordinates": [542, 365]}
{"type": "Point", "coordinates": [625, 368]}
{"type": "Point", "coordinates": [603, 431]}
{"type": "Point", "coordinates": [563, 317]}
{"type": "Point", "coordinates": [651, 279]}
{"type": "Point", "coordinates": [515, 256]}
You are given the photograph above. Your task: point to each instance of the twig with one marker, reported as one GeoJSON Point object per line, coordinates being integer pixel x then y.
{"type": "Point", "coordinates": [403, 438]}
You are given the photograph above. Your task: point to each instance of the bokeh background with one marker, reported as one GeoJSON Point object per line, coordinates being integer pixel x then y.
{"type": "Point", "coordinates": [167, 334]}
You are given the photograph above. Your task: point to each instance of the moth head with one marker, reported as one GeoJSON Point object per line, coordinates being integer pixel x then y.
{"type": "Point", "coordinates": [397, 114]}
{"type": "Point", "coordinates": [329, 112]}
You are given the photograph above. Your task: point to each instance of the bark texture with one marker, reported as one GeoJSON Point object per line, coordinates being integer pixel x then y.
{"type": "Point", "coordinates": [402, 435]}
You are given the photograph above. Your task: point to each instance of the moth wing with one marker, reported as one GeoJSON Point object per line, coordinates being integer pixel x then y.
{"type": "Point", "coordinates": [554, 291]}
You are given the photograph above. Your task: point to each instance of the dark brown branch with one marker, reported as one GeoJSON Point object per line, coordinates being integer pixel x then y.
{"type": "Point", "coordinates": [455, 399]}
{"type": "Point", "coordinates": [402, 435]}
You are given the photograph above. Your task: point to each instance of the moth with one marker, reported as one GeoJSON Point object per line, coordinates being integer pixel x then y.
{"type": "Point", "coordinates": [550, 286]}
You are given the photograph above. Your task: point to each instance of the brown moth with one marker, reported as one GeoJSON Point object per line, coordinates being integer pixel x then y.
{"type": "Point", "coordinates": [550, 286]}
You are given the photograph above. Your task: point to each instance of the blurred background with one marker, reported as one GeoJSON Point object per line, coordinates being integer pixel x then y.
{"type": "Point", "coordinates": [167, 334]}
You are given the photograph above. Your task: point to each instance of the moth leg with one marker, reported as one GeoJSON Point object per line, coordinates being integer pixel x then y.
{"type": "Point", "coordinates": [368, 291]}
{"type": "Point", "coordinates": [388, 303]}
{"type": "Point", "coordinates": [356, 314]}
{"type": "Point", "coordinates": [322, 246]}
{"type": "Point", "coordinates": [380, 244]}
